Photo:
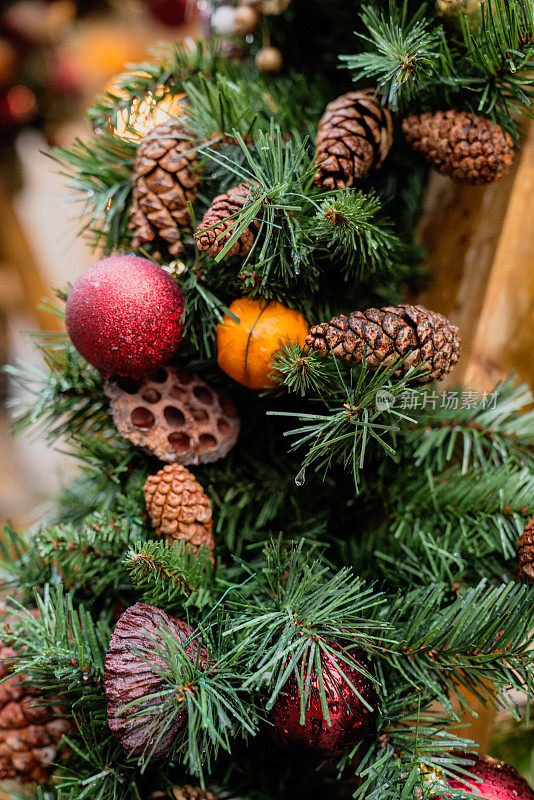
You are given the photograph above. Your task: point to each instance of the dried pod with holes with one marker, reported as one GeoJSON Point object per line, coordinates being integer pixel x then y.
{"type": "Point", "coordinates": [174, 415]}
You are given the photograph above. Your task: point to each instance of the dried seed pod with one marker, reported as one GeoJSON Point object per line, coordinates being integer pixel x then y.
{"type": "Point", "coordinates": [179, 508]}
{"type": "Point", "coordinates": [184, 793]}
{"type": "Point", "coordinates": [355, 135]}
{"type": "Point", "coordinates": [526, 552]}
{"type": "Point", "coordinates": [380, 335]}
{"type": "Point", "coordinates": [133, 671]}
{"type": "Point", "coordinates": [469, 148]}
{"type": "Point", "coordinates": [174, 415]}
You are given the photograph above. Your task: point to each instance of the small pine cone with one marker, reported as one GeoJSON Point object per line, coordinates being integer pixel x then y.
{"type": "Point", "coordinates": [134, 670]}
{"type": "Point", "coordinates": [30, 728]}
{"type": "Point", "coordinates": [179, 508]}
{"type": "Point", "coordinates": [381, 335]}
{"type": "Point", "coordinates": [470, 149]}
{"type": "Point", "coordinates": [184, 793]}
{"type": "Point", "coordinates": [174, 415]}
{"type": "Point", "coordinates": [526, 552]}
{"type": "Point", "coordinates": [166, 179]}
{"type": "Point", "coordinates": [354, 136]}
{"type": "Point", "coordinates": [216, 228]}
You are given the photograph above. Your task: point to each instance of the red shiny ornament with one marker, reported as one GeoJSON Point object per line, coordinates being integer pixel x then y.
{"type": "Point", "coordinates": [350, 718]}
{"type": "Point", "coordinates": [171, 12]}
{"type": "Point", "coordinates": [124, 316]}
{"type": "Point", "coordinates": [498, 781]}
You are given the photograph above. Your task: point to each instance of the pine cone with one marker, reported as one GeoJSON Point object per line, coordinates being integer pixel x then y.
{"type": "Point", "coordinates": [354, 136]}
{"type": "Point", "coordinates": [526, 552]}
{"type": "Point", "coordinates": [470, 149]}
{"type": "Point", "coordinates": [184, 793]}
{"type": "Point", "coordinates": [216, 228]}
{"type": "Point", "coordinates": [179, 508]}
{"type": "Point", "coordinates": [174, 415]}
{"type": "Point", "coordinates": [29, 732]}
{"type": "Point", "coordinates": [166, 178]}
{"type": "Point", "coordinates": [134, 669]}
{"type": "Point", "coordinates": [381, 335]}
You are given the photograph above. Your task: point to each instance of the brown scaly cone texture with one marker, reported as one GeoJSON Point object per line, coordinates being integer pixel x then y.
{"type": "Point", "coordinates": [174, 415]}
{"type": "Point", "coordinates": [470, 149]}
{"type": "Point", "coordinates": [526, 552]}
{"type": "Point", "coordinates": [184, 793]}
{"type": "Point", "coordinates": [381, 335]}
{"type": "Point", "coordinates": [29, 733]}
{"type": "Point", "coordinates": [354, 136]}
{"type": "Point", "coordinates": [132, 671]}
{"type": "Point", "coordinates": [179, 508]}
{"type": "Point", "coordinates": [166, 179]}
{"type": "Point", "coordinates": [216, 227]}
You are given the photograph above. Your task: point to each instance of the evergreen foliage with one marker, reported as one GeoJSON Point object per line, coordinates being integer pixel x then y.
{"type": "Point", "coordinates": [358, 508]}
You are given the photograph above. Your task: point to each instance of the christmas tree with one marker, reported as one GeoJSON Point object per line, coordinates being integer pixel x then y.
{"type": "Point", "coordinates": [289, 563]}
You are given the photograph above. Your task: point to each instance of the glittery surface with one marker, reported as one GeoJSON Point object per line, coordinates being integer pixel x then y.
{"type": "Point", "coordinates": [500, 781]}
{"type": "Point", "coordinates": [134, 670]}
{"type": "Point", "coordinates": [124, 316]}
{"type": "Point", "coordinates": [350, 718]}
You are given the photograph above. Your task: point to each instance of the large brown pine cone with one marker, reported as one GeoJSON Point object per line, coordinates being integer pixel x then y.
{"type": "Point", "coordinates": [166, 179]}
{"type": "Point", "coordinates": [184, 793]}
{"type": "Point", "coordinates": [30, 728]}
{"type": "Point", "coordinates": [134, 669]}
{"type": "Point", "coordinates": [354, 136]}
{"type": "Point", "coordinates": [381, 335]}
{"type": "Point", "coordinates": [219, 221]}
{"type": "Point", "coordinates": [526, 552]}
{"type": "Point", "coordinates": [179, 508]}
{"type": "Point", "coordinates": [469, 148]}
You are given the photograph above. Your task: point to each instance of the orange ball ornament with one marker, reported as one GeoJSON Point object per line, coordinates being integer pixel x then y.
{"type": "Point", "coordinates": [245, 349]}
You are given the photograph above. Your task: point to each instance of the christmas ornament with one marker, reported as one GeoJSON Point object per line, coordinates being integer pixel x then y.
{"type": "Point", "coordinates": [498, 781]}
{"type": "Point", "coordinates": [246, 20]}
{"type": "Point", "coordinates": [269, 59]}
{"type": "Point", "coordinates": [274, 6]}
{"type": "Point", "coordinates": [8, 61]}
{"type": "Point", "coordinates": [223, 20]}
{"type": "Point", "coordinates": [175, 416]}
{"type": "Point", "coordinates": [30, 728]}
{"type": "Point", "coordinates": [350, 718]}
{"type": "Point", "coordinates": [219, 221]}
{"type": "Point", "coordinates": [179, 508]}
{"type": "Point", "coordinates": [526, 552]}
{"type": "Point", "coordinates": [354, 136]}
{"type": "Point", "coordinates": [381, 335]}
{"type": "Point", "coordinates": [134, 669]}
{"type": "Point", "coordinates": [469, 148]}
{"type": "Point", "coordinates": [184, 793]}
{"type": "Point", "coordinates": [166, 179]}
{"type": "Point", "coordinates": [245, 348]}
{"type": "Point", "coordinates": [171, 12]}
{"type": "Point", "coordinates": [124, 316]}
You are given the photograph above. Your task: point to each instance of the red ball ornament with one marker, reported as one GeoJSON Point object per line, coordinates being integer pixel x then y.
{"type": "Point", "coordinates": [124, 316]}
{"type": "Point", "coordinates": [171, 12]}
{"type": "Point", "coordinates": [498, 781]}
{"type": "Point", "coordinates": [350, 718]}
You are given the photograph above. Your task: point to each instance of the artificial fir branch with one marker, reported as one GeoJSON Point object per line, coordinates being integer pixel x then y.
{"type": "Point", "coordinates": [402, 54]}
{"type": "Point", "coordinates": [172, 578]}
{"type": "Point", "coordinates": [482, 434]}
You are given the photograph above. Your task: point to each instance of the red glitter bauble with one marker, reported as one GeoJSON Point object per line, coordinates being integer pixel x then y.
{"type": "Point", "coordinates": [498, 781]}
{"type": "Point", "coordinates": [171, 12]}
{"type": "Point", "coordinates": [124, 316]}
{"type": "Point", "coordinates": [350, 718]}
